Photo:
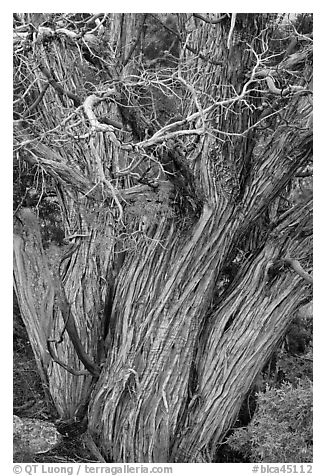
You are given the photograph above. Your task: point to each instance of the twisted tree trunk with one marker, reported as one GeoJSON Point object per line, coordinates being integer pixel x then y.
{"type": "Point", "coordinates": [157, 355]}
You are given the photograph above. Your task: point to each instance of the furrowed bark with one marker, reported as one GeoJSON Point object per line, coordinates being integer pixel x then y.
{"type": "Point", "coordinates": [46, 313]}
{"type": "Point", "coordinates": [159, 302]}
{"type": "Point", "coordinates": [248, 321]}
{"type": "Point", "coordinates": [174, 361]}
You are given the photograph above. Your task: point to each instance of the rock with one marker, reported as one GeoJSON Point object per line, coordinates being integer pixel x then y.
{"type": "Point", "coordinates": [34, 436]}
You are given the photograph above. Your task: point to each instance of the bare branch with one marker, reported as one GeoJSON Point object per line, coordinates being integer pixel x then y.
{"type": "Point", "coordinates": [233, 18]}
{"type": "Point", "coordinates": [115, 197]}
{"type": "Point", "coordinates": [88, 105]}
{"type": "Point", "coordinates": [296, 266]}
{"type": "Point", "coordinates": [188, 47]}
{"type": "Point", "coordinates": [282, 92]}
{"type": "Point", "coordinates": [304, 174]}
{"type": "Point", "coordinates": [61, 91]}
{"type": "Point", "coordinates": [136, 40]}
{"type": "Point", "coordinates": [93, 18]}
{"type": "Point", "coordinates": [69, 369]}
{"type": "Point", "coordinates": [37, 101]}
{"type": "Point", "coordinates": [208, 20]}
{"type": "Point", "coordinates": [98, 22]}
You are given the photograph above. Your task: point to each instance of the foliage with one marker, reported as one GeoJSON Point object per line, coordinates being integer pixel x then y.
{"type": "Point", "coordinates": [294, 357]}
{"type": "Point", "coordinates": [281, 429]}
{"type": "Point", "coordinates": [294, 367]}
{"type": "Point", "coordinates": [292, 360]}
{"type": "Point", "coordinates": [290, 367]}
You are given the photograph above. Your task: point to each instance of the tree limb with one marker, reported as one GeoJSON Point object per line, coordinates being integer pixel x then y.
{"type": "Point", "coordinates": [233, 18]}
{"type": "Point", "coordinates": [69, 369]}
{"type": "Point", "coordinates": [70, 326]}
{"type": "Point", "coordinates": [60, 90]}
{"type": "Point", "coordinates": [296, 266]}
{"type": "Point", "coordinates": [188, 47]}
{"type": "Point", "coordinates": [136, 41]}
{"type": "Point", "coordinates": [37, 101]}
{"type": "Point", "coordinates": [208, 20]}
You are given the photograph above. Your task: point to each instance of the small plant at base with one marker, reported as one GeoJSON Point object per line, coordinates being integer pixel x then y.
{"type": "Point", "coordinates": [281, 429]}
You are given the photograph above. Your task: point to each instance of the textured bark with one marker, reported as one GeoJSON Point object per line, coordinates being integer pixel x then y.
{"type": "Point", "coordinates": [34, 289]}
{"type": "Point", "coordinates": [175, 357]}
{"type": "Point", "coordinates": [159, 310]}
{"type": "Point", "coordinates": [160, 299]}
{"type": "Point", "coordinates": [83, 275]}
{"type": "Point", "coordinates": [238, 338]}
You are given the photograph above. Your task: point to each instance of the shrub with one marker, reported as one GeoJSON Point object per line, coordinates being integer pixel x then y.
{"type": "Point", "coordinates": [281, 429]}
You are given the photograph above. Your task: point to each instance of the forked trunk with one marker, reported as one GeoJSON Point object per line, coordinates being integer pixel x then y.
{"type": "Point", "coordinates": [176, 374]}
{"type": "Point", "coordinates": [152, 341]}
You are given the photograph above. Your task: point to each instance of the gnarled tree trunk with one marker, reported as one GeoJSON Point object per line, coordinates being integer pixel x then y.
{"type": "Point", "coordinates": [159, 356]}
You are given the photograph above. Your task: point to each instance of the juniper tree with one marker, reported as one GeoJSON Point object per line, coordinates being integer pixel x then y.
{"type": "Point", "coordinates": [175, 146]}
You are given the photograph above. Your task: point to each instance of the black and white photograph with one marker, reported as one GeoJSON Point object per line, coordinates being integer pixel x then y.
{"type": "Point", "coordinates": [162, 241]}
